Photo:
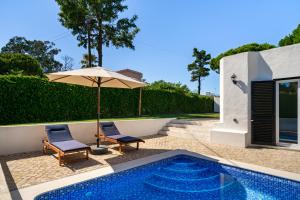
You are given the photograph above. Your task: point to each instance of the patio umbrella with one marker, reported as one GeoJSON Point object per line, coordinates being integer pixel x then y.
{"type": "Point", "coordinates": [96, 77]}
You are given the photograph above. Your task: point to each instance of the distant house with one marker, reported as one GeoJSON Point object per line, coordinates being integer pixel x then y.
{"type": "Point", "coordinates": [216, 104]}
{"type": "Point", "coordinates": [216, 101]}
{"type": "Point", "coordinates": [131, 73]}
{"type": "Point", "coordinates": [211, 94]}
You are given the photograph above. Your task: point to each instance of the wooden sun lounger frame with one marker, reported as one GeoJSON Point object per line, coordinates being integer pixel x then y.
{"type": "Point", "coordinates": [103, 137]}
{"type": "Point", "coordinates": [61, 154]}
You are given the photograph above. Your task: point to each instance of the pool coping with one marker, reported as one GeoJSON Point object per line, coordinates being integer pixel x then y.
{"type": "Point", "coordinates": [32, 191]}
{"type": "Point", "coordinates": [4, 190]}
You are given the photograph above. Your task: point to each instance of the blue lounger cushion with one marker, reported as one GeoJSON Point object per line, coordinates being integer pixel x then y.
{"type": "Point", "coordinates": [60, 136]}
{"type": "Point", "coordinates": [110, 130]}
{"type": "Point", "coordinates": [58, 133]}
{"type": "Point", "coordinates": [125, 138]}
{"type": "Point", "coordinates": [69, 145]}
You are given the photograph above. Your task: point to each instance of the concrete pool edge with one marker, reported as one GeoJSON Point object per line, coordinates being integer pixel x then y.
{"type": "Point", "coordinates": [4, 191]}
{"type": "Point", "coordinates": [32, 191]}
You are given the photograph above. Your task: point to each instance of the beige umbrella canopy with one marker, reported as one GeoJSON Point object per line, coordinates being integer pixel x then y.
{"type": "Point", "coordinates": [93, 76]}
{"type": "Point", "coordinates": [96, 77]}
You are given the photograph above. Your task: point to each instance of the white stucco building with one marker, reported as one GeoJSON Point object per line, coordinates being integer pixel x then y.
{"type": "Point", "coordinates": [259, 101]}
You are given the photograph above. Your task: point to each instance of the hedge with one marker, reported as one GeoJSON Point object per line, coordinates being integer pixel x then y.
{"type": "Point", "coordinates": [28, 99]}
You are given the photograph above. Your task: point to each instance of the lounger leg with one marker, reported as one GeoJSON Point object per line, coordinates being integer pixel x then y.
{"type": "Point", "coordinates": [59, 158]}
{"type": "Point", "coordinates": [120, 148]}
{"type": "Point", "coordinates": [137, 145]}
{"type": "Point", "coordinates": [87, 154]}
{"type": "Point", "coordinates": [44, 149]}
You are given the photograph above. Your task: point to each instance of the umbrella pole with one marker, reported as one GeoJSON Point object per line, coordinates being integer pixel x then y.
{"type": "Point", "coordinates": [98, 111]}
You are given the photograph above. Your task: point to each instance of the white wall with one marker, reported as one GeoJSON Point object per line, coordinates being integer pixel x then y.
{"type": "Point", "coordinates": [216, 104]}
{"type": "Point", "coordinates": [234, 97]}
{"type": "Point", "coordinates": [233, 125]}
{"type": "Point", "coordinates": [27, 138]}
{"type": "Point", "coordinates": [235, 100]}
{"type": "Point", "coordinates": [283, 62]}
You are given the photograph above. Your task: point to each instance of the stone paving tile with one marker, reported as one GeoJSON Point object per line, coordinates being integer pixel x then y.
{"type": "Point", "coordinates": [27, 169]}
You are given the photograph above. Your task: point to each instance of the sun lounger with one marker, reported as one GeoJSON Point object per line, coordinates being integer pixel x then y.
{"type": "Point", "coordinates": [60, 140]}
{"type": "Point", "coordinates": [109, 132]}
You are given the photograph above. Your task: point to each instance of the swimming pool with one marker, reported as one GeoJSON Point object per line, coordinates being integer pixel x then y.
{"type": "Point", "coordinates": [180, 177]}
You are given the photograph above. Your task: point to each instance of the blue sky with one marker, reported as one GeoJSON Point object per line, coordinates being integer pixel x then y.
{"type": "Point", "coordinates": [170, 29]}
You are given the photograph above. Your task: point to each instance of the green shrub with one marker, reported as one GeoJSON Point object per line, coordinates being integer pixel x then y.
{"type": "Point", "coordinates": [293, 38]}
{"type": "Point", "coordinates": [215, 62]}
{"type": "Point", "coordinates": [168, 86]}
{"type": "Point", "coordinates": [25, 99]}
{"type": "Point", "coordinates": [19, 63]}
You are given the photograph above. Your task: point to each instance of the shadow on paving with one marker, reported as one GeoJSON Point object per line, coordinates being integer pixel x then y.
{"type": "Point", "coordinates": [74, 162]}
{"type": "Point", "coordinates": [46, 165]}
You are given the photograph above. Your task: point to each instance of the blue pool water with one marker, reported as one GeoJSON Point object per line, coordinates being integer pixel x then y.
{"type": "Point", "coordinates": [181, 178]}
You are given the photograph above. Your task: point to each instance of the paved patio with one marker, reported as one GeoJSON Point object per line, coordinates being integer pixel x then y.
{"type": "Point", "coordinates": [23, 170]}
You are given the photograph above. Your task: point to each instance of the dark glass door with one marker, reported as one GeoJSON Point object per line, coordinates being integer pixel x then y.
{"type": "Point", "coordinates": [288, 111]}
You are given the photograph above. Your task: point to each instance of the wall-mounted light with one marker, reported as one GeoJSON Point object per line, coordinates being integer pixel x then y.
{"type": "Point", "coordinates": [233, 78]}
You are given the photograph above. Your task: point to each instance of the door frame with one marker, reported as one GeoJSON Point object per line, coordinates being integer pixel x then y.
{"type": "Point", "coordinates": [277, 112]}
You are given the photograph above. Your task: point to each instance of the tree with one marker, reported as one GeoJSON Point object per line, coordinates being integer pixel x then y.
{"type": "Point", "coordinates": [86, 59]}
{"type": "Point", "coordinates": [96, 23]}
{"type": "Point", "coordinates": [168, 86]}
{"type": "Point", "coordinates": [292, 38]}
{"type": "Point", "coordinates": [68, 63]}
{"type": "Point", "coordinates": [215, 62]}
{"type": "Point", "coordinates": [15, 63]}
{"type": "Point", "coordinates": [43, 51]}
{"type": "Point", "coordinates": [198, 68]}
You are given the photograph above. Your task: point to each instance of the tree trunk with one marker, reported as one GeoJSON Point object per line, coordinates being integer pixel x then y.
{"type": "Point", "coordinates": [89, 49]}
{"type": "Point", "coordinates": [199, 85]}
{"type": "Point", "coordinates": [99, 49]}
{"type": "Point", "coordinates": [99, 44]}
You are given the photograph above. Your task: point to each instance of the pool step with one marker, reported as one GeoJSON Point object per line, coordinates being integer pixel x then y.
{"type": "Point", "coordinates": [185, 179]}
{"type": "Point", "coordinates": [214, 183]}
{"type": "Point", "coordinates": [183, 159]}
{"type": "Point", "coordinates": [181, 164]}
{"type": "Point", "coordinates": [186, 170]}
{"type": "Point", "coordinates": [184, 165]}
{"type": "Point", "coordinates": [185, 174]}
